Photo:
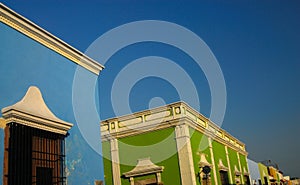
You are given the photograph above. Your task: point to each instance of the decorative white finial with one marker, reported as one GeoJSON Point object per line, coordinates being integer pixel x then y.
{"type": "Point", "coordinates": [32, 111]}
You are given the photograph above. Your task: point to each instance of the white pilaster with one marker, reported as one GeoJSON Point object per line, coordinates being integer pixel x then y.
{"type": "Point", "coordinates": [240, 166]}
{"type": "Point", "coordinates": [248, 170]}
{"type": "Point", "coordinates": [185, 157]}
{"type": "Point", "coordinates": [158, 177]}
{"type": "Point", "coordinates": [228, 164]}
{"type": "Point", "coordinates": [114, 151]}
{"type": "Point", "coordinates": [131, 181]}
{"type": "Point", "coordinates": [213, 160]}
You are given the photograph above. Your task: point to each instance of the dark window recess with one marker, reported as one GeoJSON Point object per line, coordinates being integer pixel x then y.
{"type": "Point", "coordinates": [35, 156]}
{"type": "Point", "coordinates": [247, 180]}
{"type": "Point", "coordinates": [224, 177]}
{"type": "Point", "coordinates": [266, 180]}
{"type": "Point", "coordinates": [44, 176]}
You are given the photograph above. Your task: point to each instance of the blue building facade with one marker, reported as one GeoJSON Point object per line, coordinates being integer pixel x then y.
{"type": "Point", "coordinates": [30, 56]}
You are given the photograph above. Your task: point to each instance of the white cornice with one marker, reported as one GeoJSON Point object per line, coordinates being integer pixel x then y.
{"type": "Point", "coordinates": [167, 116]}
{"type": "Point", "coordinates": [28, 28]}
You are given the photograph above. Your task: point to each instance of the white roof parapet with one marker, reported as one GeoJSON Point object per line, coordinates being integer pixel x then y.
{"type": "Point", "coordinates": [33, 31]}
{"type": "Point", "coordinates": [143, 167]}
{"type": "Point", "coordinates": [163, 117]}
{"type": "Point", "coordinates": [33, 112]}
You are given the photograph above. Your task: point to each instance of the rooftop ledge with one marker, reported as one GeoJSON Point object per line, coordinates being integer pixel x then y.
{"type": "Point", "coordinates": [33, 31]}
{"type": "Point", "coordinates": [164, 117]}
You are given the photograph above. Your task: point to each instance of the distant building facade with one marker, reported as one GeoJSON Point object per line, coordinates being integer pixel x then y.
{"type": "Point", "coordinates": [263, 173]}
{"type": "Point", "coordinates": [295, 181]}
{"type": "Point", "coordinates": [174, 145]}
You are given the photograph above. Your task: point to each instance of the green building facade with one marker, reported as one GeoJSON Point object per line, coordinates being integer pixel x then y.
{"type": "Point", "coordinates": [264, 174]}
{"type": "Point", "coordinates": [171, 145]}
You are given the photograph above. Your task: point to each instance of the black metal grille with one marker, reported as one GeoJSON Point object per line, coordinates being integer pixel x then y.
{"type": "Point", "coordinates": [35, 156]}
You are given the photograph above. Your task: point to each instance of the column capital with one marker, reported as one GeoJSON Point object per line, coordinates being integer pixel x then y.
{"type": "Point", "coordinates": [182, 131]}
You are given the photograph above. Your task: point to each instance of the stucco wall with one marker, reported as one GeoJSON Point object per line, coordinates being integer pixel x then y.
{"type": "Point", "coordinates": [199, 143]}
{"type": "Point", "coordinates": [24, 62]}
{"type": "Point", "coordinates": [136, 147]}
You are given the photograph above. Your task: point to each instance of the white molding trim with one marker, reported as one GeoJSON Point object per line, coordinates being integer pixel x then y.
{"type": "Point", "coordinates": [221, 166]}
{"type": "Point", "coordinates": [240, 166]}
{"type": "Point", "coordinates": [246, 171]}
{"type": "Point", "coordinates": [33, 112]}
{"type": "Point", "coordinates": [33, 31]}
{"type": "Point", "coordinates": [238, 175]}
{"type": "Point", "coordinates": [237, 171]}
{"type": "Point", "coordinates": [185, 157]}
{"type": "Point", "coordinates": [212, 160]}
{"type": "Point", "coordinates": [228, 162]}
{"type": "Point", "coordinates": [115, 162]}
{"type": "Point", "coordinates": [165, 117]}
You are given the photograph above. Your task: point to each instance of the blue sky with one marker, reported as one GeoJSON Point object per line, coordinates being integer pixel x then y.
{"type": "Point", "coordinates": [255, 42]}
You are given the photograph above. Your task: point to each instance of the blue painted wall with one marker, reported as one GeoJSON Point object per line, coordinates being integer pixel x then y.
{"type": "Point", "coordinates": [1, 152]}
{"type": "Point", "coordinates": [24, 62]}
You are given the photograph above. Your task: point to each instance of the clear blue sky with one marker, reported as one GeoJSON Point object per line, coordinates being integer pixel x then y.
{"type": "Point", "coordinates": [257, 45]}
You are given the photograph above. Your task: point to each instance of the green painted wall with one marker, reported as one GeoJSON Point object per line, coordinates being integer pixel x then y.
{"type": "Point", "coordinates": [135, 147]}
{"type": "Point", "coordinates": [107, 163]}
{"type": "Point", "coordinates": [233, 162]}
{"type": "Point", "coordinates": [244, 164]}
{"type": "Point", "coordinates": [199, 143]}
{"type": "Point", "coordinates": [219, 153]}
{"type": "Point", "coordinates": [263, 170]}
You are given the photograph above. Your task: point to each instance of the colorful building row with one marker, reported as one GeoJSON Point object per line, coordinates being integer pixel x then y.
{"type": "Point", "coordinates": [265, 173]}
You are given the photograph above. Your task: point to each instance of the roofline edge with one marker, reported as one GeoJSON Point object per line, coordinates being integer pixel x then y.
{"type": "Point", "coordinates": [33, 31]}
